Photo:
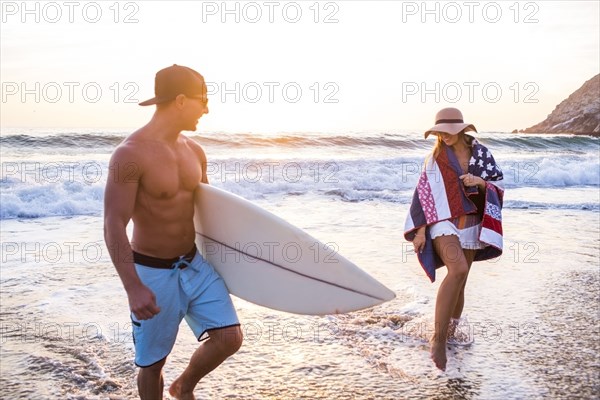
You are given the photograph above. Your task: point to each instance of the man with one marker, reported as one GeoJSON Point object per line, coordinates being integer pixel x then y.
{"type": "Point", "coordinates": [152, 177]}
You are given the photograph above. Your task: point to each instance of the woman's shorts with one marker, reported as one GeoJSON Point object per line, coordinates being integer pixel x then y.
{"type": "Point", "coordinates": [466, 227]}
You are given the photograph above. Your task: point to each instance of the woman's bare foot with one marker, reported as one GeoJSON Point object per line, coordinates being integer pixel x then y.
{"type": "Point", "coordinates": [452, 325]}
{"type": "Point", "coordinates": [176, 391]}
{"type": "Point", "coordinates": [438, 354]}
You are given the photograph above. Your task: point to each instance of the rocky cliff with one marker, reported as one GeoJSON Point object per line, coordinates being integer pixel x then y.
{"type": "Point", "coordinates": [578, 114]}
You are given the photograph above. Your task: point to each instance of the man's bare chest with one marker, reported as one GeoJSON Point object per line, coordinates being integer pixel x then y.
{"type": "Point", "coordinates": [171, 171]}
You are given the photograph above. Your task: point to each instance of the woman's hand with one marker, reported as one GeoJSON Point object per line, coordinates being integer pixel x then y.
{"type": "Point", "coordinates": [470, 180]}
{"type": "Point", "coordinates": [419, 242]}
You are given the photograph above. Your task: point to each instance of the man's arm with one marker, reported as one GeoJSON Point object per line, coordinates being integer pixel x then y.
{"type": "Point", "coordinates": [203, 162]}
{"type": "Point", "coordinates": [119, 201]}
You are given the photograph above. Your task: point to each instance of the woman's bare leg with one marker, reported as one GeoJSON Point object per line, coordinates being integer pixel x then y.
{"type": "Point", "coordinates": [460, 303]}
{"type": "Point", "coordinates": [450, 251]}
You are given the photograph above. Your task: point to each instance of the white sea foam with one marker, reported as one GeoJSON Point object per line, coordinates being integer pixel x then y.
{"type": "Point", "coordinates": [69, 171]}
{"type": "Point", "coordinates": [37, 189]}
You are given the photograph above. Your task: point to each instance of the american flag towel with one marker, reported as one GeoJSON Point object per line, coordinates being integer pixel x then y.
{"type": "Point", "coordinates": [440, 195]}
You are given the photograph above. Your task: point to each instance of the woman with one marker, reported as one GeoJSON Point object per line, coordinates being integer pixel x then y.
{"type": "Point", "coordinates": [455, 217]}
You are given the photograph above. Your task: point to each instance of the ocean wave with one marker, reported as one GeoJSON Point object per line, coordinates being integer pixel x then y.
{"type": "Point", "coordinates": [93, 140]}
{"type": "Point", "coordinates": [538, 205]}
{"type": "Point", "coordinates": [569, 144]}
{"type": "Point", "coordinates": [34, 189]}
{"type": "Point", "coordinates": [66, 199]}
{"type": "Point", "coordinates": [67, 141]}
{"type": "Point", "coordinates": [313, 140]}
{"type": "Point", "coordinates": [573, 144]}
{"type": "Point", "coordinates": [564, 171]}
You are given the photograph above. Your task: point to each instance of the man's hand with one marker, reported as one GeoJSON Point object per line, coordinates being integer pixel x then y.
{"type": "Point", "coordinates": [142, 302]}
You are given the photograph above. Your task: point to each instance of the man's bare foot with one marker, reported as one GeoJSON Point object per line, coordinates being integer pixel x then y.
{"type": "Point", "coordinates": [438, 354]}
{"type": "Point", "coordinates": [177, 392]}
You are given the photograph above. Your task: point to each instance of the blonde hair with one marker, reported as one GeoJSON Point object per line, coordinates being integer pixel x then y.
{"type": "Point", "coordinates": [437, 147]}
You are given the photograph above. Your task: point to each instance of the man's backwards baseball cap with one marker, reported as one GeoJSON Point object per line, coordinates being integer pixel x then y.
{"type": "Point", "coordinates": [173, 81]}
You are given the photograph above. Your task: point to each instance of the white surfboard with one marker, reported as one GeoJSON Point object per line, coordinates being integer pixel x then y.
{"type": "Point", "coordinates": [267, 261]}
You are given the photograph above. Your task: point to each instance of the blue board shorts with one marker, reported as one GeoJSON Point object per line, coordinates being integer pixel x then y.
{"type": "Point", "coordinates": [189, 289]}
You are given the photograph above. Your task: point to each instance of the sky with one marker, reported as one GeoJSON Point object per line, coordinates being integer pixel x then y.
{"type": "Point", "coordinates": [297, 66]}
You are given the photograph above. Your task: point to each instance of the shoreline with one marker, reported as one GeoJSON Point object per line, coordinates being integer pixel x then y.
{"type": "Point", "coordinates": [374, 353]}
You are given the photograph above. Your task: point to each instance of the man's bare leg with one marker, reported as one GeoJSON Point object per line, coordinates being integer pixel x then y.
{"type": "Point", "coordinates": [150, 382]}
{"type": "Point", "coordinates": [221, 344]}
{"type": "Point", "coordinates": [449, 250]}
